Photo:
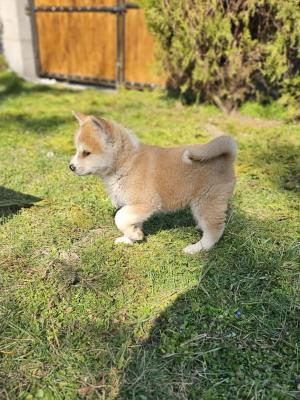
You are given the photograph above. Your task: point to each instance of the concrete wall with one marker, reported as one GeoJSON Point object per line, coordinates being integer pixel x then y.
{"type": "Point", "coordinates": [17, 38]}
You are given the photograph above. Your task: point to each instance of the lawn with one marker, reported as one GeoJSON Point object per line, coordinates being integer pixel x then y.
{"type": "Point", "coordinates": [81, 317]}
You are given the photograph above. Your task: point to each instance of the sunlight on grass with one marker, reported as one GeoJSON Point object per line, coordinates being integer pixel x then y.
{"type": "Point", "coordinates": [81, 317]}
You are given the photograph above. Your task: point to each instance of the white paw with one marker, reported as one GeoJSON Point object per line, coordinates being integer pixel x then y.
{"type": "Point", "coordinates": [193, 248]}
{"type": "Point", "coordinates": [186, 157]}
{"type": "Point", "coordinates": [198, 227]}
{"type": "Point", "coordinates": [123, 239]}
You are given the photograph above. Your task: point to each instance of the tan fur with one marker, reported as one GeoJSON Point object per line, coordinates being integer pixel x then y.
{"type": "Point", "coordinates": [144, 179]}
{"type": "Point", "coordinates": [92, 143]}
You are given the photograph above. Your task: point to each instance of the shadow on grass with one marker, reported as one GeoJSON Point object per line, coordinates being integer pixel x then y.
{"type": "Point", "coordinates": [11, 202]}
{"type": "Point", "coordinates": [282, 163]}
{"type": "Point", "coordinates": [232, 336]}
{"type": "Point", "coordinates": [28, 124]}
{"type": "Point", "coordinates": [11, 85]}
{"type": "Point", "coordinates": [167, 221]}
{"type": "Point", "coordinates": [235, 334]}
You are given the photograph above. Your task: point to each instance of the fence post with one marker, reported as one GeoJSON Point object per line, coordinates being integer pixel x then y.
{"type": "Point", "coordinates": [120, 66]}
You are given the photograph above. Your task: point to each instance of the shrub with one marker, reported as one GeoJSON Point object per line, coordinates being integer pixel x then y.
{"type": "Point", "coordinates": [226, 51]}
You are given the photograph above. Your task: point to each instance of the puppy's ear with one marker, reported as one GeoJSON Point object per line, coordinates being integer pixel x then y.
{"type": "Point", "coordinates": [98, 123]}
{"type": "Point", "coordinates": [104, 127]}
{"type": "Point", "coordinates": [79, 116]}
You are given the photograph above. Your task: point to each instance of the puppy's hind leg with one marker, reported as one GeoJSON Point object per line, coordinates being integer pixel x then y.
{"type": "Point", "coordinates": [198, 225]}
{"type": "Point", "coordinates": [210, 215]}
{"type": "Point", "coordinates": [212, 231]}
{"type": "Point", "coordinates": [129, 220]}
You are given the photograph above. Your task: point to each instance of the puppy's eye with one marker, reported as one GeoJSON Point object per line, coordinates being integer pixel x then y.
{"type": "Point", "coordinates": [86, 153]}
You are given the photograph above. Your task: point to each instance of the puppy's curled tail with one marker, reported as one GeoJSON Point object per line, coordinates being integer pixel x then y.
{"type": "Point", "coordinates": [222, 145]}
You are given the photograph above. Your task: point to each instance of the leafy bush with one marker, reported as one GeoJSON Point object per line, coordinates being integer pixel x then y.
{"type": "Point", "coordinates": [228, 50]}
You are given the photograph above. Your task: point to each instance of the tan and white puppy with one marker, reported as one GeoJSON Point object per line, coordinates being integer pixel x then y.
{"type": "Point", "coordinates": [143, 180]}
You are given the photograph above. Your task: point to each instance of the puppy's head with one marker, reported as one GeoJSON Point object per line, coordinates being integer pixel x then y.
{"type": "Point", "coordinates": [94, 146]}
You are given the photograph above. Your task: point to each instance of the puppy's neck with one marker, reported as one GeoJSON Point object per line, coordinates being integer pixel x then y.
{"type": "Point", "coordinates": [125, 146]}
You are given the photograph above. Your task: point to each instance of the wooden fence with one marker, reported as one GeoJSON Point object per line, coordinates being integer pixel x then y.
{"type": "Point", "coordinates": [96, 41]}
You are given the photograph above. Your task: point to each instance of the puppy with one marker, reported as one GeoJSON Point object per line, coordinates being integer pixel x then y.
{"type": "Point", "coordinates": [143, 180]}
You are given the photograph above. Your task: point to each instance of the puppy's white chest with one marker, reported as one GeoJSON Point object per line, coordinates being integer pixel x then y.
{"type": "Point", "coordinates": [116, 191]}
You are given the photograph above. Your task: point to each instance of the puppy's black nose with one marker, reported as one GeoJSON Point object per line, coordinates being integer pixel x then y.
{"type": "Point", "coordinates": [72, 167]}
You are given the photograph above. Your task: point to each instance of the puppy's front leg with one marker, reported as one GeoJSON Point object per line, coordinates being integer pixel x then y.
{"type": "Point", "coordinates": [129, 220]}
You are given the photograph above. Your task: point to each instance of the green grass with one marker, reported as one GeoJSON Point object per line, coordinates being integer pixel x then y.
{"type": "Point", "coordinates": [83, 318]}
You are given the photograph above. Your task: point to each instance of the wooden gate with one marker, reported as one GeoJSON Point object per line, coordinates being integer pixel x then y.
{"type": "Point", "coordinates": [94, 41]}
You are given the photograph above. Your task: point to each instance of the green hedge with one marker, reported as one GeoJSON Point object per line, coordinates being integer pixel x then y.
{"type": "Point", "coordinates": [226, 51]}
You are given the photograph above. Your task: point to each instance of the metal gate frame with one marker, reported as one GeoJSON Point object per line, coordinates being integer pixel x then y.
{"type": "Point", "coordinates": [120, 10]}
